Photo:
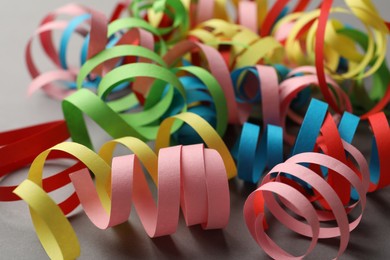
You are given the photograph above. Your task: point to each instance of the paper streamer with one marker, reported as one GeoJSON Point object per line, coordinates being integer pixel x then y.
{"type": "Point", "coordinates": [379, 166]}
{"type": "Point", "coordinates": [199, 102]}
{"type": "Point", "coordinates": [32, 141]}
{"type": "Point", "coordinates": [265, 89]}
{"type": "Point", "coordinates": [251, 14]}
{"type": "Point", "coordinates": [256, 153]}
{"type": "Point", "coordinates": [190, 177]}
{"type": "Point", "coordinates": [295, 198]}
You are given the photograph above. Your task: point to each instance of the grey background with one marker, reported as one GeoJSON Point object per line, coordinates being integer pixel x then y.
{"type": "Point", "coordinates": [18, 19]}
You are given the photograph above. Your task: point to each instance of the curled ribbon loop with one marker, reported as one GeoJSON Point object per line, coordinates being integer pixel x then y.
{"type": "Point", "coordinates": [294, 197]}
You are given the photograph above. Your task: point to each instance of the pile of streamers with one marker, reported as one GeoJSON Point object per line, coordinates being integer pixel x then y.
{"type": "Point", "coordinates": [178, 73]}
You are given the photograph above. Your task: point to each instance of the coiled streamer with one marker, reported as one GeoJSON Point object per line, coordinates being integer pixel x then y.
{"type": "Point", "coordinates": [296, 199]}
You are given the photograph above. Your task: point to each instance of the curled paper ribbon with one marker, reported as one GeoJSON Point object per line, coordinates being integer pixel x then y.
{"type": "Point", "coordinates": [265, 89]}
{"type": "Point", "coordinates": [199, 102]}
{"type": "Point", "coordinates": [275, 12]}
{"type": "Point", "coordinates": [294, 198]}
{"type": "Point", "coordinates": [278, 88]}
{"type": "Point", "coordinates": [337, 43]}
{"type": "Point", "coordinates": [143, 124]}
{"type": "Point", "coordinates": [372, 19]}
{"type": "Point", "coordinates": [86, 101]}
{"type": "Point", "coordinates": [254, 155]}
{"type": "Point", "coordinates": [369, 103]}
{"type": "Point", "coordinates": [189, 177]}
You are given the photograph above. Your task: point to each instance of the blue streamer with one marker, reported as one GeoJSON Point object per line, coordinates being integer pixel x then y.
{"type": "Point", "coordinates": [254, 156]}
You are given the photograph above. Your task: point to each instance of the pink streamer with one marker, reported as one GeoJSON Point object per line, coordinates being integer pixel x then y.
{"type": "Point", "coordinates": [297, 201]}
{"type": "Point", "coordinates": [188, 176]}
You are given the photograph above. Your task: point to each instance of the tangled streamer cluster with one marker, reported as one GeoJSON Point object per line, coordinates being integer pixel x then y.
{"type": "Point", "coordinates": [179, 72]}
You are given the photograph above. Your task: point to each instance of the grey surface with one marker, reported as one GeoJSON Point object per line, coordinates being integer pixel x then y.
{"type": "Point", "coordinates": [18, 240]}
